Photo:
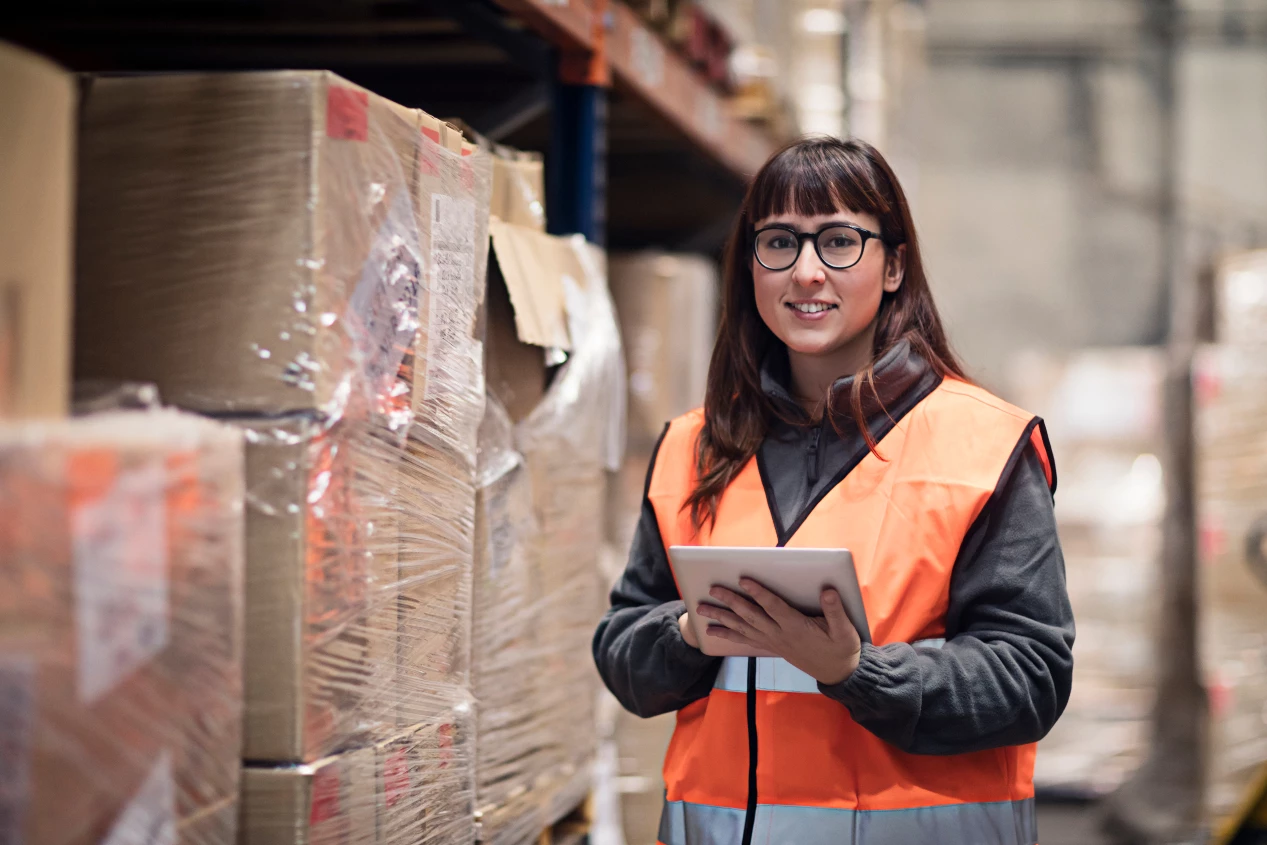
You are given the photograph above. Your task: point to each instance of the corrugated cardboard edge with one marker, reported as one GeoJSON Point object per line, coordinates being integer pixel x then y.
{"type": "Point", "coordinates": [534, 265]}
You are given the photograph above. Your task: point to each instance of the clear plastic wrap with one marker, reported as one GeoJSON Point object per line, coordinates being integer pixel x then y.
{"type": "Point", "coordinates": [121, 630]}
{"type": "Point", "coordinates": [413, 788]}
{"type": "Point", "coordinates": [306, 261]}
{"type": "Point", "coordinates": [539, 592]}
{"type": "Point", "coordinates": [1231, 428]}
{"type": "Point", "coordinates": [1103, 412]}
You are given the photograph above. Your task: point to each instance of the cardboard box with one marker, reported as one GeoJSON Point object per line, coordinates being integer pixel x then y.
{"type": "Point", "coordinates": [1241, 301]}
{"type": "Point", "coordinates": [332, 801]}
{"type": "Point", "coordinates": [437, 515]}
{"type": "Point", "coordinates": [425, 782]}
{"type": "Point", "coordinates": [288, 242]}
{"type": "Point", "coordinates": [668, 309]}
{"type": "Point", "coordinates": [36, 199]}
{"type": "Point", "coordinates": [519, 188]}
{"type": "Point", "coordinates": [322, 587]}
{"type": "Point", "coordinates": [1231, 405]}
{"type": "Point", "coordinates": [121, 625]}
{"type": "Point", "coordinates": [412, 788]}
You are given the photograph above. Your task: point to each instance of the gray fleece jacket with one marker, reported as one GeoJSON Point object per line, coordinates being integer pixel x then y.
{"type": "Point", "coordinates": [1003, 676]}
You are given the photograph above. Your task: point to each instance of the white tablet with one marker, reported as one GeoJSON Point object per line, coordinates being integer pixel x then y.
{"type": "Point", "coordinates": [798, 576]}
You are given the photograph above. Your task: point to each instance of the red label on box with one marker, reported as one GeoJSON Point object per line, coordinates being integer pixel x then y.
{"type": "Point", "coordinates": [395, 777]}
{"type": "Point", "coordinates": [347, 114]}
{"type": "Point", "coordinates": [325, 796]}
{"type": "Point", "coordinates": [432, 134]}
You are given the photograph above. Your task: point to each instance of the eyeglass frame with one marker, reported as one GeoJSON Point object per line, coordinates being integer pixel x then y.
{"type": "Point", "coordinates": [867, 235]}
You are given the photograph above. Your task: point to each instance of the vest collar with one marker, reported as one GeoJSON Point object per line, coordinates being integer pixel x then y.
{"type": "Point", "coordinates": [899, 373]}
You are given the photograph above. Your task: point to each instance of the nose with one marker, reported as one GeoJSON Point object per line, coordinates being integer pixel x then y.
{"type": "Point", "coordinates": [808, 269]}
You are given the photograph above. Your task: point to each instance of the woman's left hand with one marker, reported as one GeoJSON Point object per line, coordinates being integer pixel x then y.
{"type": "Point", "coordinates": [826, 648]}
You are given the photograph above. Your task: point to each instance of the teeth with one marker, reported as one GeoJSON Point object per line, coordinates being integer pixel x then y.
{"type": "Point", "coordinates": [811, 307]}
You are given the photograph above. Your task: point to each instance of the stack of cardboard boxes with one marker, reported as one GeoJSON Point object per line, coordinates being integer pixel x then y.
{"type": "Point", "coordinates": [1231, 429]}
{"type": "Point", "coordinates": [120, 629]}
{"type": "Point", "coordinates": [121, 599]}
{"type": "Point", "coordinates": [668, 315]}
{"type": "Point", "coordinates": [1103, 412]}
{"type": "Point", "coordinates": [305, 260]}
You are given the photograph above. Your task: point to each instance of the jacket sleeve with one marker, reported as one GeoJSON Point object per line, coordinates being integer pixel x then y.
{"type": "Point", "coordinates": [638, 648]}
{"type": "Point", "coordinates": [1004, 675]}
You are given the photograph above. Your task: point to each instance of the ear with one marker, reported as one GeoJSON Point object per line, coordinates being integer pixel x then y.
{"type": "Point", "coordinates": [895, 269]}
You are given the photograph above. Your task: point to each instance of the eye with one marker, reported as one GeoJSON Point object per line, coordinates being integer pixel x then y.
{"type": "Point", "coordinates": [840, 240]}
{"type": "Point", "coordinates": [782, 242]}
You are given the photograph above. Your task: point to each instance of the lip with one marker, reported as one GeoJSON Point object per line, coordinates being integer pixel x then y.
{"type": "Point", "coordinates": [810, 318]}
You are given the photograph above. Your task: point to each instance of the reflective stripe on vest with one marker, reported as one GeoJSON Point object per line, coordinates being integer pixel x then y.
{"type": "Point", "coordinates": [1003, 822]}
{"type": "Point", "coordinates": [777, 675]}
{"type": "Point", "coordinates": [783, 760]}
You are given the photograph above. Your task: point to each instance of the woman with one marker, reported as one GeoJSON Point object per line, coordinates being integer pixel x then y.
{"type": "Point", "coordinates": [836, 415]}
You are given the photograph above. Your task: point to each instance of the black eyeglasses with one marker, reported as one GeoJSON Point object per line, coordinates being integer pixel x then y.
{"type": "Point", "coordinates": [839, 245]}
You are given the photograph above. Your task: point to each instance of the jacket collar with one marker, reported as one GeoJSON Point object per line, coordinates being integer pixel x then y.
{"type": "Point", "coordinates": [899, 374]}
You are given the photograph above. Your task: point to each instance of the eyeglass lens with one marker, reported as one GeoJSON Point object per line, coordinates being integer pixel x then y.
{"type": "Point", "coordinates": [839, 247]}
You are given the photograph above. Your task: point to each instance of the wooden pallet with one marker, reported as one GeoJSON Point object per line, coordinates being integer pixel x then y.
{"type": "Point", "coordinates": [572, 829]}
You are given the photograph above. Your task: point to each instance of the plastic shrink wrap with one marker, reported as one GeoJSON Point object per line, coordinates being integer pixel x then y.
{"type": "Point", "coordinates": [1103, 413]}
{"type": "Point", "coordinates": [121, 623]}
{"type": "Point", "coordinates": [1231, 396]}
{"type": "Point", "coordinates": [306, 261]}
{"type": "Point", "coordinates": [538, 591]}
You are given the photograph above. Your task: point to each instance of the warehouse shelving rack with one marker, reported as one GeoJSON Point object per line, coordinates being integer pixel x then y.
{"type": "Point", "coordinates": [640, 149]}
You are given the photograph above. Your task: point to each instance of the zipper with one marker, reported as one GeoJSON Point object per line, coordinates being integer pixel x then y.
{"type": "Point", "coordinates": [750, 815]}
{"type": "Point", "coordinates": [811, 457]}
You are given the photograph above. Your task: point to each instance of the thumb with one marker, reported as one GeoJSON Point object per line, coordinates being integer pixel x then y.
{"type": "Point", "coordinates": [838, 624]}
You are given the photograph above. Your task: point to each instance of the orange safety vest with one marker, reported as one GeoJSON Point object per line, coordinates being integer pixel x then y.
{"type": "Point", "coordinates": [767, 758]}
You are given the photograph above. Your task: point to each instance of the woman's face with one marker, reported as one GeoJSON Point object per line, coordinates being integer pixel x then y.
{"type": "Point", "coordinates": [818, 311]}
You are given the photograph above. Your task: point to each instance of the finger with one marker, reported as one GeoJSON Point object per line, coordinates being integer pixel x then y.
{"type": "Point", "coordinates": [725, 617]}
{"type": "Point", "coordinates": [732, 636]}
{"type": "Point", "coordinates": [748, 610]}
{"type": "Point", "coordinates": [775, 607]}
{"type": "Point", "coordinates": [838, 624]}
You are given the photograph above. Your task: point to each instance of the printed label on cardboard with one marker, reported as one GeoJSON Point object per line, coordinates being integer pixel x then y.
{"type": "Point", "coordinates": [383, 312]}
{"type": "Point", "coordinates": [347, 114]}
{"type": "Point", "coordinates": [501, 530]}
{"type": "Point", "coordinates": [17, 710]}
{"type": "Point", "coordinates": [121, 591]}
{"type": "Point", "coordinates": [452, 292]}
{"type": "Point", "coordinates": [151, 817]}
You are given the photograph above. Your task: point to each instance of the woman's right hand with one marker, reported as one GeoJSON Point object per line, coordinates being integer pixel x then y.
{"type": "Point", "coordinates": [688, 633]}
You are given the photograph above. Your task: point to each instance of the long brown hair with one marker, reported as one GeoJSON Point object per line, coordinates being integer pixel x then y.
{"type": "Point", "coordinates": [814, 176]}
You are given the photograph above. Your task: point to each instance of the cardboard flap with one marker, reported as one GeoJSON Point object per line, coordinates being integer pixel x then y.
{"type": "Point", "coordinates": [538, 268]}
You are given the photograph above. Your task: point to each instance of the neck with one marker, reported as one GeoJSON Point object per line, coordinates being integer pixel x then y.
{"type": "Point", "coordinates": [813, 375]}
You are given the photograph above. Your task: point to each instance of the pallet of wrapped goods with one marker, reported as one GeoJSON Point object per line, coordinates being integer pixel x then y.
{"type": "Point", "coordinates": [37, 99]}
{"type": "Point", "coordinates": [413, 788]}
{"type": "Point", "coordinates": [288, 241]}
{"type": "Point", "coordinates": [1231, 408]}
{"type": "Point", "coordinates": [305, 259]}
{"type": "Point", "coordinates": [121, 630]}
{"type": "Point", "coordinates": [562, 446]}
{"type": "Point", "coordinates": [1103, 413]}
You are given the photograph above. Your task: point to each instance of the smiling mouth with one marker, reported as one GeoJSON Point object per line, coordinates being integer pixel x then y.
{"type": "Point", "coordinates": [811, 307]}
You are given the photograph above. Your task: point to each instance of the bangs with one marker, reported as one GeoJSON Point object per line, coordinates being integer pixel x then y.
{"type": "Point", "coordinates": [817, 177]}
